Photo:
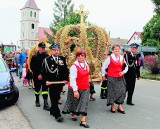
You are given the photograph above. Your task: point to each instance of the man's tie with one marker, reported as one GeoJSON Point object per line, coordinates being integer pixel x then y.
{"type": "Point", "coordinates": [56, 59]}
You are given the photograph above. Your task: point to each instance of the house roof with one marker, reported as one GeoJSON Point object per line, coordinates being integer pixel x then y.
{"type": "Point", "coordinates": [41, 32]}
{"type": "Point", "coordinates": [135, 33]}
{"type": "Point", "coordinates": [31, 4]}
{"type": "Point", "coordinates": [118, 40]}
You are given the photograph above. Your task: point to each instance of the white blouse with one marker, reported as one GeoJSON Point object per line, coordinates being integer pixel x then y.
{"type": "Point", "coordinates": [107, 62]}
{"type": "Point", "coordinates": [73, 74]}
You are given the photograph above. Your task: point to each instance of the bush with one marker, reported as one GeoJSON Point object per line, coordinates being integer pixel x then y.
{"type": "Point", "coordinates": [151, 64]}
{"type": "Point", "coordinates": [147, 75]}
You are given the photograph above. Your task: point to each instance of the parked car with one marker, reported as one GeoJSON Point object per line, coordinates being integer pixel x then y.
{"type": "Point", "coordinates": [9, 93]}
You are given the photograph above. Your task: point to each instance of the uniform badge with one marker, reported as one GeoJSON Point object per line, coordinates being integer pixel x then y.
{"type": "Point", "coordinates": [60, 62]}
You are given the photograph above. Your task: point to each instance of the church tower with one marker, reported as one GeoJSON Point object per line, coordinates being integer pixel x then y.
{"type": "Point", "coordinates": [29, 24]}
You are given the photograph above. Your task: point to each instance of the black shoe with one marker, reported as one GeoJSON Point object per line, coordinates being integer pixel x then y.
{"type": "Point", "coordinates": [113, 111]}
{"type": "Point", "coordinates": [63, 91]}
{"type": "Point", "coordinates": [132, 104]}
{"type": "Point", "coordinates": [92, 99]}
{"type": "Point", "coordinates": [103, 97]}
{"type": "Point", "coordinates": [123, 112]}
{"type": "Point", "coordinates": [84, 125]}
{"type": "Point", "coordinates": [74, 119]}
{"type": "Point", "coordinates": [59, 119]}
{"type": "Point", "coordinates": [37, 104]}
{"type": "Point", "coordinates": [51, 113]}
{"type": "Point", "coordinates": [46, 106]}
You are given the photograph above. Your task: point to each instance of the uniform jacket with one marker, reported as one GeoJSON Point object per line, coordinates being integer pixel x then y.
{"type": "Point", "coordinates": [36, 63]}
{"type": "Point", "coordinates": [53, 71]}
{"type": "Point", "coordinates": [132, 62]}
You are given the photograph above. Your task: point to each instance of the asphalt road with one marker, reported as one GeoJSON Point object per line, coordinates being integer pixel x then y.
{"type": "Point", "coordinates": [12, 118]}
{"type": "Point", "coordinates": [144, 115]}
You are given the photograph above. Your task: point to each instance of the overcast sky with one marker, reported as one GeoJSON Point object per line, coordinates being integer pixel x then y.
{"type": "Point", "coordinates": [121, 17]}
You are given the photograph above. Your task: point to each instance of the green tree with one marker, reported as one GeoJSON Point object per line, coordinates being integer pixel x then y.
{"type": "Point", "coordinates": [63, 15]}
{"type": "Point", "coordinates": [151, 30]}
{"type": "Point", "coordinates": [157, 6]}
{"type": "Point", "coordinates": [62, 11]}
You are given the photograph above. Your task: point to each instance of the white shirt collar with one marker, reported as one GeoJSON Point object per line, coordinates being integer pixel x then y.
{"type": "Point", "coordinates": [54, 57]}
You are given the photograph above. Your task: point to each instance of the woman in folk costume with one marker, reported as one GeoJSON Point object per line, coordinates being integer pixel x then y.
{"type": "Point", "coordinates": [117, 67]}
{"type": "Point", "coordinates": [78, 89]}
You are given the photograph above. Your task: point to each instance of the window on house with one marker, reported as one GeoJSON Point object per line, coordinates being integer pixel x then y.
{"type": "Point", "coordinates": [23, 35]}
{"type": "Point", "coordinates": [32, 26]}
{"type": "Point", "coordinates": [34, 14]}
{"type": "Point", "coordinates": [134, 38]}
{"type": "Point", "coordinates": [138, 38]}
{"type": "Point", "coordinates": [30, 13]}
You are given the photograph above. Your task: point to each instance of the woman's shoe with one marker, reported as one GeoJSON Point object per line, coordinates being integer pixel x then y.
{"type": "Point", "coordinates": [59, 101]}
{"type": "Point", "coordinates": [123, 112]}
{"type": "Point", "coordinates": [92, 98]}
{"type": "Point", "coordinates": [113, 111]}
{"type": "Point", "coordinates": [63, 91]}
{"type": "Point", "coordinates": [74, 119]}
{"type": "Point", "coordinates": [84, 125]}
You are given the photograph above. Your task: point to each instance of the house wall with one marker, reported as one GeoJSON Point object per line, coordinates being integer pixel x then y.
{"type": "Point", "coordinates": [135, 39]}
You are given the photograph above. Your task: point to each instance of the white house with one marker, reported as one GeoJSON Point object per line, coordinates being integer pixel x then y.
{"type": "Point", "coordinates": [135, 38]}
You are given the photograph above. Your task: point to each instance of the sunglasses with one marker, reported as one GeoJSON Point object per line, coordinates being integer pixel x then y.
{"type": "Point", "coordinates": [82, 55]}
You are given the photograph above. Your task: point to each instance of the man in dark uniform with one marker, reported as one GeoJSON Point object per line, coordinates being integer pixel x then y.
{"type": "Point", "coordinates": [133, 71]}
{"type": "Point", "coordinates": [55, 70]}
{"type": "Point", "coordinates": [36, 67]}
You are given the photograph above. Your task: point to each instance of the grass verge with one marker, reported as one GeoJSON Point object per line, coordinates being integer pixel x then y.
{"type": "Point", "coordinates": [148, 75]}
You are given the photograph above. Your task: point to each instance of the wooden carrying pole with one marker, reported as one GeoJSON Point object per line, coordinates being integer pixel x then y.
{"type": "Point", "coordinates": [58, 82]}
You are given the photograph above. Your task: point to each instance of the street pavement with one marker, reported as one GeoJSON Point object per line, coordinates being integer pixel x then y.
{"type": "Point", "coordinates": [12, 118]}
{"type": "Point", "coordinates": [144, 115]}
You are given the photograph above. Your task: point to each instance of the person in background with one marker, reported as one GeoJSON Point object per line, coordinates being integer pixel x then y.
{"type": "Point", "coordinates": [9, 58]}
{"type": "Point", "coordinates": [39, 81]}
{"type": "Point", "coordinates": [55, 69]}
{"type": "Point", "coordinates": [15, 59]}
{"type": "Point", "coordinates": [78, 89]}
{"type": "Point", "coordinates": [28, 72]}
{"type": "Point", "coordinates": [156, 57]}
{"type": "Point", "coordinates": [133, 71]}
{"type": "Point", "coordinates": [116, 86]}
{"type": "Point", "coordinates": [24, 79]}
{"type": "Point", "coordinates": [21, 60]}
{"type": "Point", "coordinates": [103, 92]}
{"type": "Point", "coordinates": [141, 59]}
{"type": "Point", "coordinates": [123, 51]}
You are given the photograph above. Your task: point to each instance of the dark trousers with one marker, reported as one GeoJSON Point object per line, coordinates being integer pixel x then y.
{"type": "Point", "coordinates": [104, 89]}
{"type": "Point", "coordinates": [17, 70]}
{"type": "Point", "coordinates": [130, 78]}
{"type": "Point", "coordinates": [38, 84]}
{"type": "Point", "coordinates": [54, 93]}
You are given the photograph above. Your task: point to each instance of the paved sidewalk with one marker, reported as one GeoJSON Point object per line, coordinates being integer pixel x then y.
{"type": "Point", "coordinates": [12, 118]}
